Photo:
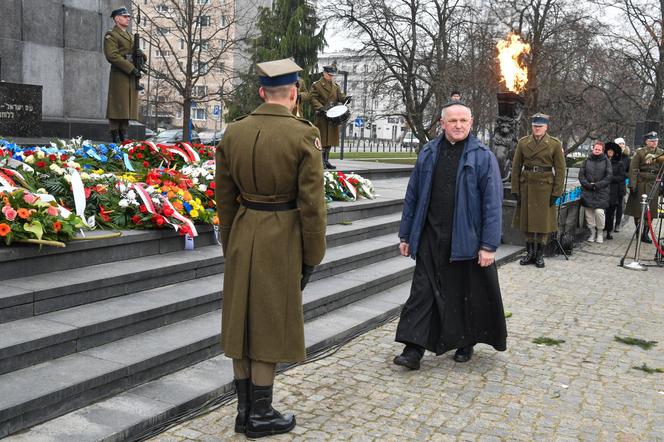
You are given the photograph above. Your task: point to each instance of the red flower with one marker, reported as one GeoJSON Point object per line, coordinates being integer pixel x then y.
{"type": "Point", "coordinates": [145, 164]}
{"type": "Point", "coordinates": [87, 191]}
{"type": "Point", "coordinates": [57, 226]}
{"type": "Point", "coordinates": [159, 220]}
{"type": "Point", "coordinates": [142, 147]}
{"type": "Point", "coordinates": [40, 164]}
{"type": "Point", "coordinates": [63, 157]}
{"type": "Point", "coordinates": [212, 185]}
{"type": "Point", "coordinates": [136, 219]}
{"type": "Point", "coordinates": [104, 213]}
{"type": "Point", "coordinates": [139, 155]}
{"type": "Point", "coordinates": [185, 230]}
{"type": "Point", "coordinates": [168, 211]}
{"type": "Point", "coordinates": [52, 157]}
{"type": "Point", "coordinates": [209, 193]}
{"type": "Point", "coordinates": [142, 208]}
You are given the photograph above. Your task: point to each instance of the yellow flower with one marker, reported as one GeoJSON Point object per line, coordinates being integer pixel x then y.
{"type": "Point", "coordinates": [193, 213]}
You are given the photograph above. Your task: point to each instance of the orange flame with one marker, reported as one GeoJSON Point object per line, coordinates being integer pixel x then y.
{"type": "Point", "coordinates": [512, 69]}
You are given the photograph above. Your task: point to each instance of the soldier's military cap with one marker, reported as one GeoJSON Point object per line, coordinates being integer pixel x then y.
{"type": "Point", "coordinates": [331, 69]}
{"type": "Point", "coordinates": [651, 136]}
{"type": "Point", "coordinates": [539, 119]}
{"type": "Point", "coordinates": [278, 72]}
{"type": "Point", "coordinates": [120, 11]}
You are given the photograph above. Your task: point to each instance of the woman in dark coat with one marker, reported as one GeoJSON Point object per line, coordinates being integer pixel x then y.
{"type": "Point", "coordinates": [595, 178]}
{"type": "Point", "coordinates": [617, 189]}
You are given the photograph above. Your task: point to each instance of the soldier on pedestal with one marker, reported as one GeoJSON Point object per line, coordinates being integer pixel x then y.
{"type": "Point", "coordinates": [122, 93]}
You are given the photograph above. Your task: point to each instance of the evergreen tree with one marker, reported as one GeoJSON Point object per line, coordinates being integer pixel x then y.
{"type": "Point", "coordinates": [287, 29]}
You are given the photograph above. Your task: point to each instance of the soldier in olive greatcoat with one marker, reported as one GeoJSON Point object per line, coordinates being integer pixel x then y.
{"type": "Point", "coordinates": [643, 170]}
{"type": "Point", "coordinates": [538, 178]}
{"type": "Point", "coordinates": [272, 217]}
{"type": "Point", "coordinates": [122, 103]}
{"type": "Point", "coordinates": [325, 92]}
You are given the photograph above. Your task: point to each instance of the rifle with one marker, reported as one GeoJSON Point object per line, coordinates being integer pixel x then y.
{"type": "Point", "coordinates": [137, 54]}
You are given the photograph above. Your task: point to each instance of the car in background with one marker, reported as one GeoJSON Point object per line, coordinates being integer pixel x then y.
{"type": "Point", "coordinates": [172, 136]}
{"type": "Point", "coordinates": [211, 138]}
{"type": "Point", "coordinates": [149, 133]}
{"type": "Point", "coordinates": [410, 141]}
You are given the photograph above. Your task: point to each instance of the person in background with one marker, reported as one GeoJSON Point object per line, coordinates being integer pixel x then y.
{"type": "Point", "coordinates": [625, 158]}
{"type": "Point", "coordinates": [617, 188]}
{"type": "Point", "coordinates": [595, 177]}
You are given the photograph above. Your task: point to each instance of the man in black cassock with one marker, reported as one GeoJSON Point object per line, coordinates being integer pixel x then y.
{"type": "Point", "coordinates": [451, 226]}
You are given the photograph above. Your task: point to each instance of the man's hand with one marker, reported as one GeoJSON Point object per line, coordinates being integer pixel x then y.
{"type": "Point", "coordinates": [136, 73]}
{"type": "Point", "coordinates": [486, 258]}
{"type": "Point", "coordinates": [306, 274]}
{"type": "Point", "coordinates": [404, 249]}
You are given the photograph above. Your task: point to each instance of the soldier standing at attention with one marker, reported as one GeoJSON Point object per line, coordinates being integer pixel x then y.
{"type": "Point", "coordinates": [323, 93]}
{"type": "Point", "coordinates": [272, 218]}
{"type": "Point", "coordinates": [538, 178]}
{"type": "Point", "coordinates": [122, 94]}
{"type": "Point", "coordinates": [642, 177]}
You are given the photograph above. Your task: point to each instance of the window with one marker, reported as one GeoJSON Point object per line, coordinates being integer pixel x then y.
{"type": "Point", "coordinates": [163, 53]}
{"type": "Point", "coordinates": [204, 44]}
{"type": "Point", "coordinates": [202, 2]}
{"type": "Point", "coordinates": [199, 68]}
{"type": "Point", "coordinates": [182, 43]}
{"type": "Point", "coordinates": [199, 91]}
{"type": "Point", "coordinates": [163, 8]}
{"type": "Point", "coordinates": [203, 20]}
{"type": "Point", "coordinates": [198, 114]}
{"type": "Point", "coordinates": [144, 44]}
{"type": "Point", "coordinates": [222, 21]}
{"type": "Point", "coordinates": [163, 31]}
{"type": "Point", "coordinates": [222, 67]}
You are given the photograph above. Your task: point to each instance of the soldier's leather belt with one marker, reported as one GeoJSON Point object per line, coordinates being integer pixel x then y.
{"type": "Point", "coordinates": [269, 207]}
{"type": "Point", "coordinates": [538, 168]}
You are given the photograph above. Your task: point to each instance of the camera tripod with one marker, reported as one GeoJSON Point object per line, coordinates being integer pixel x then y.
{"type": "Point", "coordinates": [643, 224]}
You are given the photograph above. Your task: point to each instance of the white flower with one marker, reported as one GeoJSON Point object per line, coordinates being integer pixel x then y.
{"type": "Point", "coordinates": [209, 177]}
{"type": "Point", "coordinates": [195, 180]}
{"type": "Point", "coordinates": [68, 178]}
{"type": "Point", "coordinates": [123, 203]}
{"type": "Point", "coordinates": [131, 195]}
{"type": "Point", "coordinates": [202, 187]}
{"type": "Point", "coordinates": [30, 159]}
{"type": "Point", "coordinates": [85, 176]}
{"type": "Point", "coordinates": [40, 154]}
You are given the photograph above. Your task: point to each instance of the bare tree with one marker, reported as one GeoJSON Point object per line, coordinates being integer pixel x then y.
{"type": "Point", "coordinates": [189, 44]}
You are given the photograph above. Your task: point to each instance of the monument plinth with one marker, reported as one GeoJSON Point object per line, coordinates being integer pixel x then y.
{"type": "Point", "coordinates": [20, 110]}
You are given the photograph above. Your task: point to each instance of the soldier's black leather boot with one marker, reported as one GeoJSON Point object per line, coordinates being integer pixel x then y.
{"type": "Point", "coordinates": [539, 255]}
{"type": "Point", "coordinates": [242, 389]}
{"type": "Point", "coordinates": [115, 137]}
{"type": "Point", "coordinates": [530, 254]}
{"type": "Point", "coordinates": [122, 135]}
{"type": "Point", "coordinates": [263, 419]}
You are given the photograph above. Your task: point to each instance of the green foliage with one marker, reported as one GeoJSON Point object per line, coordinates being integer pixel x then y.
{"type": "Point", "coordinates": [646, 345]}
{"type": "Point", "coordinates": [287, 29]}
{"type": "Point", "coordinates": [543, 340]}
{"type": "Point", "coordinates": [649, 370]}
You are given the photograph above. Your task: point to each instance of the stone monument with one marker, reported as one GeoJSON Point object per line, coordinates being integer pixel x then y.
{"type": "Point", "coordinates": [58, 45]}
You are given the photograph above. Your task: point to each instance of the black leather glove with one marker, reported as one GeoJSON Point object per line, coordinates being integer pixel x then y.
{"type": "Point", "coordinates": [306, 274]}
{"type": "Point", "coordinates": [349, 98]}
{"type": "Point", "coordinates": [136, 73]}
{"type": "Point", "coordinates": [552, 200]}
{"type": "Point", "coordinates": [517, 197]}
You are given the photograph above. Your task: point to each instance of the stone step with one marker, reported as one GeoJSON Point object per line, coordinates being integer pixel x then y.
{"type": "Point", "coordinates": [26, 260]}
{"type": "Point", "coordinates": [41, 392]}
{"type": "Point", "coordinates": [55, 334]}
{"type": "Point", "coordinates": [83, 377]}
{"type": "Point", "coordinates": [126, 415]}
{"type": "Point", "coordinates": [34, 295]}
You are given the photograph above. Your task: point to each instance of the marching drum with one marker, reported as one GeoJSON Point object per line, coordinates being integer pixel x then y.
{"type": "Point", "coordinates": [338, 114]}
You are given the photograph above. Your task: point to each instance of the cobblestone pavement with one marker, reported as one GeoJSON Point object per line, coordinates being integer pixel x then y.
{"type": "Point", "coordinates": [585, 388]}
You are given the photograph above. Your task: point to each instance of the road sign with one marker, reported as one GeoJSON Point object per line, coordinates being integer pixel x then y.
{"type": "Point", "coordinates": [359, 122]}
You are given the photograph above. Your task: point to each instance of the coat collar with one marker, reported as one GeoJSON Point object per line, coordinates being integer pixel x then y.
{"type": "Point", "coordinates": [122, 33]}
{"type": "Point", "coordinates": [276, 110]}
{"type": "Point", "coordinates": [540, 145]}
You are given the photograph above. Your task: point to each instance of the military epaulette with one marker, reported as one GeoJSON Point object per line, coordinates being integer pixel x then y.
{"type": "Point", "coordinates": [242, 117]}
{"type": "Point", "coordinates": [556, 139]}
{"type": "Point", "coordinates": [304, 120]}
{"type": "Point", "coordinates": [523, 138]}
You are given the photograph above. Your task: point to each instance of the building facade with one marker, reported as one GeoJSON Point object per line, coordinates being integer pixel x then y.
{"type": "Point", "coordinates": [170, 43]}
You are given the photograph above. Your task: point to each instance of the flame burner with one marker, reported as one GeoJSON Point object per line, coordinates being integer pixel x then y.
{"type": "Point", "coordinates": [505, 134]}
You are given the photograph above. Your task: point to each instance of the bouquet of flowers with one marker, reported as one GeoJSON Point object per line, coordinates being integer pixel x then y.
{"type": "Point", "coordinates": [27, 217]}
{"type": "Point", "coordinates": [342, 187]}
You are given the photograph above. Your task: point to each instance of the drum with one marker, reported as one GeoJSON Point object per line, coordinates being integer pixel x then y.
{"type": "Point", "coordinates": [338, 114]}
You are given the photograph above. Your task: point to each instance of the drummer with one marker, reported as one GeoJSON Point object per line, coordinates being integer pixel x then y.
{"type": "Point", "coordinates": [324, 94]}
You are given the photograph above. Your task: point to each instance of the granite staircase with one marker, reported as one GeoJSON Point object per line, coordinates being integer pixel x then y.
{"type": "Point", "coordinates": [105, 339]}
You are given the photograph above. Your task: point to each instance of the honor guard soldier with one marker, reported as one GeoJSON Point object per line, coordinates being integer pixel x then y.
{"type": "Point", "coordinates": [538, 178]}
{"type": "Point", "coordinates": [122, 104]}
{"type": "Point", "coordinates": [272, 216]}
{"type": "Point", "coordinates": [326, 92]}
{"type": "Point", "coordinates": [642, 177]}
